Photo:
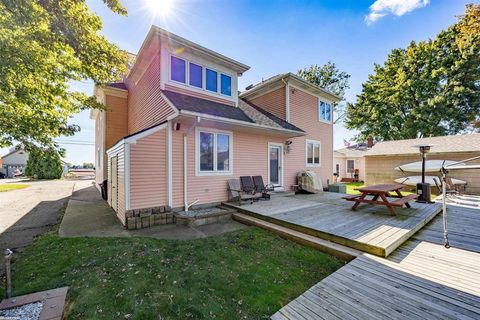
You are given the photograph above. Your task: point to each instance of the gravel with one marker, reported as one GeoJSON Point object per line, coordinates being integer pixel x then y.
{"type": "Point", "coordinates": [30, 311]}
{"type": "Point", "coordinates": [201, 212]}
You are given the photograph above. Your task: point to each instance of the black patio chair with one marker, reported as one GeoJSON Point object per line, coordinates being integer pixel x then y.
{"type": "Point", "coordinates": [262, 188]}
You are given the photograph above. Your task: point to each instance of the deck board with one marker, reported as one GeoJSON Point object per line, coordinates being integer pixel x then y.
{"type": "Point", "coordinates": [420, 280]}
{"type": "Point", "coordinates": [325, 215]}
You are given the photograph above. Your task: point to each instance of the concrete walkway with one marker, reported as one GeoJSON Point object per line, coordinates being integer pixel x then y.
{"type": "Point", "coordinates": [87, 214]}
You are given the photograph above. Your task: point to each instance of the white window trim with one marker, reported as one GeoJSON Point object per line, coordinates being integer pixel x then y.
{"type": "Point", "coordinates": [170, 70]}
{"type": "Point", "coordinates": [200, 173]}
{"type": "Point", "coordinates": [315, 142]}
{"type": "Point", "coordinates": [320, 111]}
{"type": "Point", "coordinates": [346, 166]}
{"type": "Point", "coordinates": [203, 89]}
{"type": "Point", "coordinates": [279, 145]}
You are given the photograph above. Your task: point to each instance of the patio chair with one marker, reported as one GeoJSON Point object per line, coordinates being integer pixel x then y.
{"type": "Point", "coordinates": [235, 192]}
{"type": "Point", "coordinates": [262, 188]}
{"type": "Point", "coordinates": [449, 186]}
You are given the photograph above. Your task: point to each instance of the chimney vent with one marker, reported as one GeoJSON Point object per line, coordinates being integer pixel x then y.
{"type": "Point", "coordinates": [370, 142]}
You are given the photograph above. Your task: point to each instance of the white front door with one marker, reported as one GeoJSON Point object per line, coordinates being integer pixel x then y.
{"type": "Point", "coordinates": [275, 164]}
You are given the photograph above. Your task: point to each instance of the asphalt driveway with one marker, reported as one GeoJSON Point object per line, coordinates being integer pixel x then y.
{"type": "Point", "coordinates": [27, 213]}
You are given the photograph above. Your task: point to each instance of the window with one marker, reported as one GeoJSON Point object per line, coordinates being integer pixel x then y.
{"type": "Point", "coordinates": [324, 111]}
{"type": "Point", "coordinates": [226, 85]}
{"type": "Point", "coordinates": [211, 80]}
{"type": "Point", "coordinates": [313, 153]}
{"type": "Point", "coordinates": [195, 75]}
{"type": "Point", "coordinates": [177, 69]}
{"type": "Point", "coordinates": [350, 166]}
{"type": "Point", "coordinates": [213, 152]}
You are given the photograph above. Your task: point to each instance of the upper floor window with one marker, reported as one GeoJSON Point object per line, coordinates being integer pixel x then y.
{"type": "Point", "coordinates": [200, 77]}
{"type": "Point", "coordinates": [195, 75]}
{"type": "Point", "coordinates": [211, 79]}
{"type": "Point", "coordinates": [313, 153]}
{"type": "Point", "coordinates": [177, 69]}
{"type": "Point", "coordinates": [226, 85]}
{"type": "Point", "coordinates": [325, 111]}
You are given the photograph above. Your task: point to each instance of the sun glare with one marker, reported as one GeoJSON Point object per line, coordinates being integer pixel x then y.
{"type": "Point", "coordinates": [159, 7]}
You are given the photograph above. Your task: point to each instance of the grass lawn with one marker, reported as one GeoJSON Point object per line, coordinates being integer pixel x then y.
{"type": "Point", "coordinates": [352, 185]}
{"type": "Point", "coordinates": [4, 187]}
{"type": "Point", "coordinates": [248, 274]}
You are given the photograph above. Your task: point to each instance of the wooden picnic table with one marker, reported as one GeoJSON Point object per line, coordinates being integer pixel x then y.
{"type": "Point", "coordinates": [380, 194]}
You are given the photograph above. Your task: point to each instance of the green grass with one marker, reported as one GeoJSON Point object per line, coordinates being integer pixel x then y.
{"type": "Point", "coordinates": [352, 185]}
{"type": "Point", "coordinates": [247, 274]}
{"type": "Point", "coordinates": [4, 187]}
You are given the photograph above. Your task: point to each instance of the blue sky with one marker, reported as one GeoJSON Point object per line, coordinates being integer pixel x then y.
{"type": "Point", "coordinates": [277, 36]}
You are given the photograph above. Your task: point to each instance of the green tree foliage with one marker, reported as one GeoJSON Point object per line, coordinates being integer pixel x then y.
{"type": "Point", "coordinates": [44, 164]}
{"type": "Point", "coordinates": [331, 78]}
{"type": "Point", "coordinates": [44, 46]}
{"type": "Point", "coordinates": [88, 165]}
{"type": "Point", "coordinates": [431, 88]}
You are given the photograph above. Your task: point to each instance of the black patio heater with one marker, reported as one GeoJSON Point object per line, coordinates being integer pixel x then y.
{"type": "Point", "coordinates": [423, 189]}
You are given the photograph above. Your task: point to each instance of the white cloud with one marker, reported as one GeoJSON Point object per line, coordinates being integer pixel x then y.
{"type": "Point", "coordinates": [381, 8]}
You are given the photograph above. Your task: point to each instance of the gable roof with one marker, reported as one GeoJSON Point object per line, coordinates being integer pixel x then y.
{"type": "Point", "coordinates": [265, 117]}
{"type": "Point", "coordinates": [281, 79]}
{"type": "Point", "coordinates": [442, 144]}
{"type": "Point", "coordinates": [194, 104]}
{"type": "Point", "coordinates": [352, 152]}
{"type": "Point", "coordinates": [12, 152]}
{"type": "Point", "coordinates": [246, 112]}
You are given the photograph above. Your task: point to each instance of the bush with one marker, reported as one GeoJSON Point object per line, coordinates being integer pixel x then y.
{"type": "Point", "coordinates": [44, 164]}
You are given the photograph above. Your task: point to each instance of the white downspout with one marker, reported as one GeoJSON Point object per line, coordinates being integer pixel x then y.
{"type": "Point", "coordinates": [185, 173]}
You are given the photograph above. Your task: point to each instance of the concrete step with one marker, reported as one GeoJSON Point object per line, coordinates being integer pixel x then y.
{"type": "Point", "coordinates": [341, 252]}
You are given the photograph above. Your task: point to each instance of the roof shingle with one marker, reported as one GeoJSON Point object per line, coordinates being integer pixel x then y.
{"type": "Point", "coordinates": [443, 144]}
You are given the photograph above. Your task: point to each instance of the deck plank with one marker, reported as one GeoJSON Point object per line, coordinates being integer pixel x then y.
{"type": "Point", "coordinates": [419, 280]}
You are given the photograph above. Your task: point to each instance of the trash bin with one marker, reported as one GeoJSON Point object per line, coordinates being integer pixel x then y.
{"type": "Point", "coordinates": [104, 188]}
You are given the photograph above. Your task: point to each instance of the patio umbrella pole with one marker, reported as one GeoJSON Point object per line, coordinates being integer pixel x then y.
{"type": "Point", "coordinates": [444, 207]}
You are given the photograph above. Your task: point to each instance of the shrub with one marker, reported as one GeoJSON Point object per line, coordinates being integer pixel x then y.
{"type": "Point", "coordinates": [44, 164]}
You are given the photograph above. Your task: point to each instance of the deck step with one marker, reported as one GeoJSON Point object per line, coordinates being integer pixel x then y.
{"type": "Point", "coordinates": [338, 250]}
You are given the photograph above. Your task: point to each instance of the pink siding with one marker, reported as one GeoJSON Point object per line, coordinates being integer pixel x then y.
{"type": "Point", "coordinates": [248, 159]}
{"type": "Point", "coordinates": [273, 102]}
{"type": "Point", "coordinates": [146, 107]}
{"type": "Point", "coordinates": [197, 94]}
{"type": "Point", "coordinates": [148, 171]}
{"type": "Point", "coordinates": [304, 114]}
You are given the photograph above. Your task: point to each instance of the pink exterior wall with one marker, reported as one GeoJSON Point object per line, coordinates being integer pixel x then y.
{"type": "Point", "coordinates": [146, 107]}
{"type": "Point", "coordinates": [304, 114]}
{"type": "Point", "coordinates": [248, 159]}
{"type": "Point", "coordinates": [148, 171]}
{"type": "Point", "coordinates": [273, 102]}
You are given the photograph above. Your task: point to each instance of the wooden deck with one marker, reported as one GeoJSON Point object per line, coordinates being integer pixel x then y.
{"type": "Point", "coordinates": [369, 229]}
{"type": "Point", "coordinates": [420, 280]}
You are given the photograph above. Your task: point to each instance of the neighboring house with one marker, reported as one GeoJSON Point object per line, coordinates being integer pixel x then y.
{"type": "Point", "coordinates": [382, 158]}
{"type": "Point", "coordinates": [14, 162]}
{"type": "Point", "coordinates": [351, 158]}
{"type": "Point", "coordinates": [176, 129]}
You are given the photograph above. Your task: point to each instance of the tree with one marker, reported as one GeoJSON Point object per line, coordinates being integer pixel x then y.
{"type": "Point", "coordinates": [330, 78]}
{"type": "Point", "coordinates": [44, 45]}
{"type": "Point", "coordinates": [431, 88]}
{"type": "Point", "coordinates": [88, 165]}
{"type": "Point", "coordinates": [44, 164]}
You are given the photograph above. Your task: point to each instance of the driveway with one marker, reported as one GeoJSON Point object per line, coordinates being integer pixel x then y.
{"type": "Point", "coordinates": [27, 213]}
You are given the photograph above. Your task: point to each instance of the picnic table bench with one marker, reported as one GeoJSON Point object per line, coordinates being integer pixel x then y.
{"type": "Point", "coordinates": [382, 191]}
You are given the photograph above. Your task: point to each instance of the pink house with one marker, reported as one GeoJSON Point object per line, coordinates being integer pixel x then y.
{"type": "Point", "coordinates": [177, 128]}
